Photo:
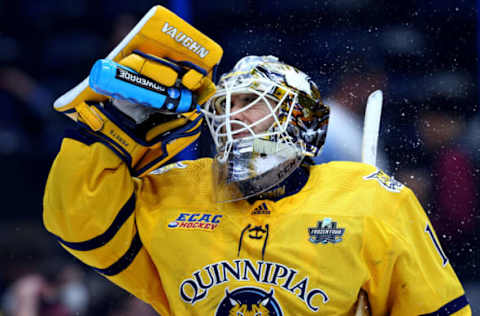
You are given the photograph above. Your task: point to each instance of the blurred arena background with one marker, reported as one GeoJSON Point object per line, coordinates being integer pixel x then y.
{"type": "Point", "coordinates": [422, 54]}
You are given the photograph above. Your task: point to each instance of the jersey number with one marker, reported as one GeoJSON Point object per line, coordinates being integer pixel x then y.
{"type": "Point", "coordinates": [428, 230]}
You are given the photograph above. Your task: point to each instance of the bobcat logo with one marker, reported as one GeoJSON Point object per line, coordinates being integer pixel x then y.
{"type": "Point", "coordinates": [246, 310]}
{"type": "Point", "coordinates": [249, 301]}
{"type": "Point", "coordinates": [385, 181]}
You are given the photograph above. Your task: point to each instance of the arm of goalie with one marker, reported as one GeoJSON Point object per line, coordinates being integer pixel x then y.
{"type": "Point", "coordinates": [147, 137]}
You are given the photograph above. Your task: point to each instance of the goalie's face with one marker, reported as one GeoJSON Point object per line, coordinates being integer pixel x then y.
{"type": "Point", "coordinates": [265, 117]}
{"type": "Point", "coordinates": [250, 115]}
{"type": "Point", "coordinates": [254, 150]}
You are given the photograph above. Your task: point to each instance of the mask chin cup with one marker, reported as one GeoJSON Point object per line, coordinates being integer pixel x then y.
{"type": "Point", "coordinates": [252, 167]}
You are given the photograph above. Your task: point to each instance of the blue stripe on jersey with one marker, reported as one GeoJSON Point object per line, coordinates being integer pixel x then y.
{"type": "Point", "coordinates": [451, 307]}
{"type": "Point", "coordinates": [104, 238]}
{"type": "Point", "coordinates": [79, 134]}
{"type": "Point", "coordinates": [124, 261]}
{"type": "Point", "coordinates": [88, 137]}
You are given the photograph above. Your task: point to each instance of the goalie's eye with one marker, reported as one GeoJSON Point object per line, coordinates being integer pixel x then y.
{"type": "Point", "coordinates": [247, 98]}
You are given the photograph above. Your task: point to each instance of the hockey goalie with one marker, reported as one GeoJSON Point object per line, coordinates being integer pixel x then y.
{"type": "Point", "coordinates": [255, 230]}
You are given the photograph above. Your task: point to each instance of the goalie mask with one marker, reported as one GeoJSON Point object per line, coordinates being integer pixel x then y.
{"type": "Point", "coordinates": [265, 118]}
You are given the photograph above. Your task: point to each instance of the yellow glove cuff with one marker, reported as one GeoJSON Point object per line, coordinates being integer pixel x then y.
{"type": "Point", "coordinates": [142, 156]}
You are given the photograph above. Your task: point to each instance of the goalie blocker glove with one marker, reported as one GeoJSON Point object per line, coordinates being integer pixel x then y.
{"type": "Point", "coordinates": [171, 91]}
{"type": "Point", "coordinates": [147, 137]}
{"type": "Point", "coordinates": [146, 144]}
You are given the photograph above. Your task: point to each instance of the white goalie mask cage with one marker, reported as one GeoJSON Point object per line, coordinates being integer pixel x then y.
{"type": "Point", "coordinates": [255, 155]}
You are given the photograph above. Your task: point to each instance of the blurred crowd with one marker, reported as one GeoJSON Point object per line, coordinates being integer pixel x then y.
{"type": "Point", "coordinates": [422, 55]}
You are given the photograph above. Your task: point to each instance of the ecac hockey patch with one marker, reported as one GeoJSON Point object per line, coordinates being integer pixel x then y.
{"type": "Point", "coordinates": [326, 232]}
{"type": "Point", "coordinates": [385, 181]}
{"type": "Point", "coordinates": [196, 221]}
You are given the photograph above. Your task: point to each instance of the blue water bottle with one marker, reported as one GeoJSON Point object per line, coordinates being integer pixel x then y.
{"type": "Point", "coordinates": [117, 81]}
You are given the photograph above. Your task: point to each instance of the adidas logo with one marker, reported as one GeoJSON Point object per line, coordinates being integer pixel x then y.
{"type": "Point", "coordinates": [262, 209]}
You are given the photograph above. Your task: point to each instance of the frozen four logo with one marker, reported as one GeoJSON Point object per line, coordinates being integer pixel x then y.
{"type": "Point", "coordinates": [325, 232]}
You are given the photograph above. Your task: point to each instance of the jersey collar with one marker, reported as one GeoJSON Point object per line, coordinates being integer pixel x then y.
{"type": "Point", "coordinates": [290, 186]}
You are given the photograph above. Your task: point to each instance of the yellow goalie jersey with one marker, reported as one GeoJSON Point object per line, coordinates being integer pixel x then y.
{"type": "Point", "coordinates": [161, 237]}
